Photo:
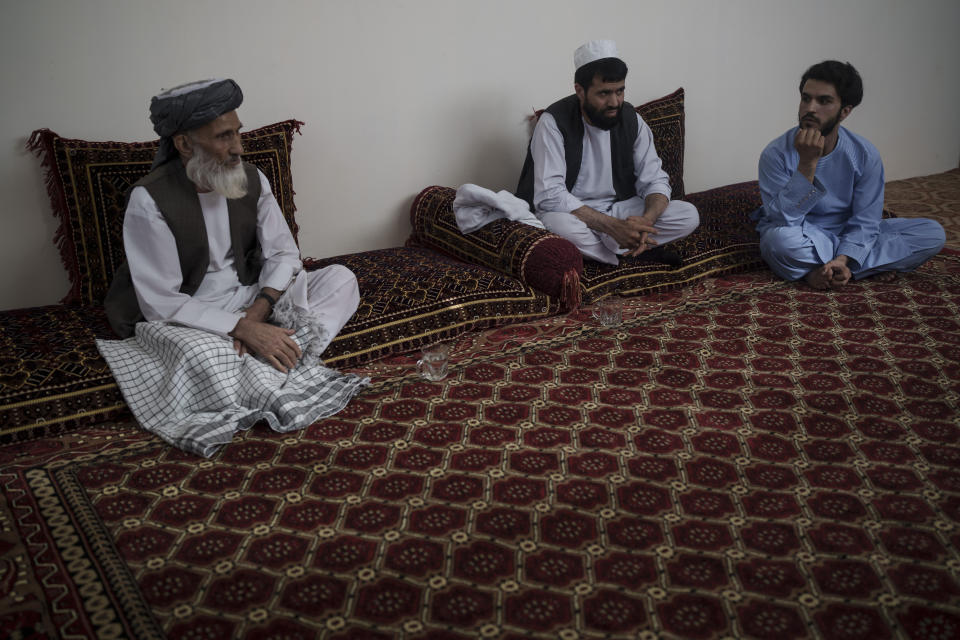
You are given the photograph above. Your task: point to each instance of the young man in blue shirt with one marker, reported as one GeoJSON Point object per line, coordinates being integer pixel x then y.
{"type": "Point", "coordinates": [822, 191]}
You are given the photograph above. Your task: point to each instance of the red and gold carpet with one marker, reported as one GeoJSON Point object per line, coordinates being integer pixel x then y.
{"type": "Point", "coordinates": [936, 196]}
{"type": "Point", "coordinates": [742, 459]}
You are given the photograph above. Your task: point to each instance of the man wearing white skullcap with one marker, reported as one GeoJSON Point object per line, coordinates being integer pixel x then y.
{"type": "Point", "coordinates": [207, 246]}
{"type": "Point", "coordinates": [592, 174]}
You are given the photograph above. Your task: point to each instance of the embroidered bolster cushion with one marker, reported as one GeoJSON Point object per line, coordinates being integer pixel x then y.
{"type": "Point", "coordinates": [542, 260]}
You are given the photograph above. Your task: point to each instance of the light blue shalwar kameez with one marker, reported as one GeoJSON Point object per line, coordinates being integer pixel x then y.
{"type": "Point", "coordinates": [803, 226]}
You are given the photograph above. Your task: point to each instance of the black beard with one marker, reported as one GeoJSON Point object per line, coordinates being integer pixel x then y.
{"type": "Point", "coordinates": [600, 121]}
{"type": "Point", "coordinates": [827, 127]}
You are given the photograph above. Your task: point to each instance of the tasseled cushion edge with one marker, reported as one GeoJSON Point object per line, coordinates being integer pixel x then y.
{"type": "Point", "coordinates": [41, 143]}
{"type": "Point", "coordinates": [553, 265]}
{"type": "Point", "coordinates": [570, 297]}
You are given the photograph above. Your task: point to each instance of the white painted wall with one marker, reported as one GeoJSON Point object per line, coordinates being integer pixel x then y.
{"type": "Point", "coordinates": [401, 94]}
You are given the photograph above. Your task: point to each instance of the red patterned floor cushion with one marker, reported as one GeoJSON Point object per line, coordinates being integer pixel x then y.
{"type": "Point", "coordinates": [665, 117]}
{"type": "Point", "coordinates": [725, 242]}
{"type": "Point", "coordinates": [543, 260]}
{"type": "Point", "coordinates": [52, 378]}
{"type": "Point", "coordinates": [410, 297]}
{"type": "Point", "coordinates": [87, 183]}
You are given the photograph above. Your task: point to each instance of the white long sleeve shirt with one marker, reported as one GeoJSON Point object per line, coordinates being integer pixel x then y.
{"type": "Point", "coordinates": [219, 302]}
{"type": "Point", "coordinates": [594, 185]}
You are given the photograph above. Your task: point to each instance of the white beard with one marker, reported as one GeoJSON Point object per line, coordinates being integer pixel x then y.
{"type": "Point", "coordinates": [210, 175]}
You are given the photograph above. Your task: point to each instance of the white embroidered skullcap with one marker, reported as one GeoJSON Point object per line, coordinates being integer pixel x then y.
{"type": "Point", "coordinates": [594, 50]}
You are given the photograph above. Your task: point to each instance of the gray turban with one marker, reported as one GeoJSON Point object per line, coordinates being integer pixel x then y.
{"type": "Point", "coordinates": [187, 107]}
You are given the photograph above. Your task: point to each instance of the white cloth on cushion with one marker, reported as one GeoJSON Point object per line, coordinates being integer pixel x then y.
{"type": "Point", "coordinates": [477, 206]}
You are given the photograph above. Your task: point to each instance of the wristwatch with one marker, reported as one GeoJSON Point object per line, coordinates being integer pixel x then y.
{"type": "Point", "coordinates": [266, 296]}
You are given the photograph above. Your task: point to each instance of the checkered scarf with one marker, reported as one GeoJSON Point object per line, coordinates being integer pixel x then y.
{"type": "Point", "coordinates": [190, 388]}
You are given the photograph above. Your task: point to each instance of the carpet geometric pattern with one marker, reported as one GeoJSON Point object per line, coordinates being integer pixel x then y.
{"type": "Point", "coordinates": [744, 458]}
{"type": "Point", "coordinates": [936, 196]}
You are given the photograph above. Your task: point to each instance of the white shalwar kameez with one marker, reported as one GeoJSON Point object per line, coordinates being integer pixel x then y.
{"type": "Point", "coordinates": [330, 294]}
{"type": "Point", "coordinates": [594, 188]}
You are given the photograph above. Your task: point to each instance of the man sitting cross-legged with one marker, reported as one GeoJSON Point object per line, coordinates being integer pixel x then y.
{"type": "Point", "coordinates": [592, 174]}
{"type": "Point", "coordinates": [213, 278]}
{"type": "Point", "coordinates": [822, 190]}
{"type": "Point", "coordinates": [206, 244]}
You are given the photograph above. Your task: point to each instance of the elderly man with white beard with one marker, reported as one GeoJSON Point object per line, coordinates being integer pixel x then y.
{"type": "Point", "coordinates": [206, 244]}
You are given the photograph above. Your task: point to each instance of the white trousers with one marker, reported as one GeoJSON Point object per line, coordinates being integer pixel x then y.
{"type": "Point", "coordinates": [678, 220]}
{"type": "Point", "coordinates": [331, 295]}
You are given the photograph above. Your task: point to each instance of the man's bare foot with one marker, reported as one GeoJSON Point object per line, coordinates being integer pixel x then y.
{"type": "Point", "coordinates": [817, 279]}
{"type": "Point", "coordinates": [838, 281]}
{"type": "Point", "coordinates": [885, 276]}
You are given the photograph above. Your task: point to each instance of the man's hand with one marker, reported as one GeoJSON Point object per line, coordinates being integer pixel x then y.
{"type": "Point", "coordinates": [809, 145]}
{"type": "Point", "coordinates": [273, 343]}
{"type": "Point", "coordinates": [259, 311]}
{"type": "Point", "coordinates": [833, 275]}
{"type": "Point", "coordinates": [839, 272]}
{"type": "Point", "coordinates": [632, 233]}
{"type": "Point", "coordinates": [645, 226]}
{"type": "Point", "coordinates": [654, 206]}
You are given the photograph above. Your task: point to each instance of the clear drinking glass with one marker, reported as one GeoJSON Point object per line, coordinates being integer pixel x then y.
{"type": "Point", "coordinates": [609, 311]}
{"type": "Point", "coordinates": [434, 361]}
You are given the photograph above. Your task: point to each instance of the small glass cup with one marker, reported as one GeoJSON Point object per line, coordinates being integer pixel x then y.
{"type": "Point", "coordinates": [609, 311]}
{"type": "Point", "coordinates": [434, 361]}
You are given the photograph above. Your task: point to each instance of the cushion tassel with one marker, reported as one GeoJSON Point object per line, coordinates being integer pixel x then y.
{"type": "Point", "coordinates": [570, 290]}
{"type": "Point", "coordinates": [41, 143]}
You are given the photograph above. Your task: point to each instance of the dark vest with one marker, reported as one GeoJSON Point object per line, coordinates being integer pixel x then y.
{"type": "Point", "coordinates": [177, 199]}
{"type": "Point", "coordinates": [569, 120]}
